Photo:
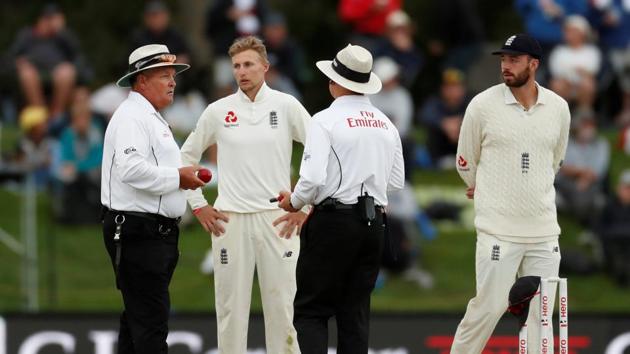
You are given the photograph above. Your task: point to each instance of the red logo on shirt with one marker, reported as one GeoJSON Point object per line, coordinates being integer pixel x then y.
{"type": "Point", "coordinates": [230, 117]}
{"type": "Point", "coordinates": [366, 123]}
{"type": "Point", "coordinates": [461, 162]}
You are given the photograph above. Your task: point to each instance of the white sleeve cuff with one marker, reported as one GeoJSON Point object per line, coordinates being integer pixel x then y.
{"type": "Point", "coordinates": [195, 198]}
{"type": "Point", "coordinates": [296, 202]}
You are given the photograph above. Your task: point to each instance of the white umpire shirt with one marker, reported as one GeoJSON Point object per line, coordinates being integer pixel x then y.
{"type": "Point", "coordinates": [141, 161]}
{"type": "Point", "coordinates": [254, 146]}
{"type": "Point", "coordinates": [351, 147]}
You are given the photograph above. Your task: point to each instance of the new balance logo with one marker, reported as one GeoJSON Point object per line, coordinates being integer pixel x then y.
{"type": "Point", "coordinates": [224, 256]}
{"type": "Point", "coordinates": [496, 252]}
{"type": "Point", "coordinates": [287, 254]}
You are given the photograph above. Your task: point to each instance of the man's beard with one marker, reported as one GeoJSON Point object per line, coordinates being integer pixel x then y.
{"type": "Point", "coordinates": [517, 80]}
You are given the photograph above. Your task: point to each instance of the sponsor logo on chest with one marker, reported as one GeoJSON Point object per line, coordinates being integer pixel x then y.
{"type": "Point", "coordinates": [231, 120]}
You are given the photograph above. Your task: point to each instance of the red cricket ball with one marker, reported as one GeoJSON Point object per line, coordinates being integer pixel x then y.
{"type": "Point", "coordinates": [205, 175]}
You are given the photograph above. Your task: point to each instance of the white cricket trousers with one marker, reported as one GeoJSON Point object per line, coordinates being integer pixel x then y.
{"type": "Point", "coordinates": [497, 265]}
{"type": "Point", "coordinates": [251, 242]}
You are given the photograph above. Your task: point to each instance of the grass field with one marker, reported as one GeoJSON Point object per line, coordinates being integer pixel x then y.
{"type": "Point", "coordinates": [75, 274]}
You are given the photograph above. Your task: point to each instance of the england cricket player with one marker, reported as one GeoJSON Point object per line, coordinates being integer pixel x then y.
{"type": "Point", "coordinates": [511, 144]}
{"type": "Point", "coordinates": [254, 130]}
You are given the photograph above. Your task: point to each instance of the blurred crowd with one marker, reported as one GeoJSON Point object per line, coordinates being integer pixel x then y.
{"type": "Point", "coordinates": [62, 117]}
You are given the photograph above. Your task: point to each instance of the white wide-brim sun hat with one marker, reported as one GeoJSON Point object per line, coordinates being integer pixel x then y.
{"type": "Point", "coordinates": [352, 69]}
{"type": "Point", "coordinates": [148, 57]}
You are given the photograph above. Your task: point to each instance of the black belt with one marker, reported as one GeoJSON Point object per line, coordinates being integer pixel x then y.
{"type": "Point", "coordinates": [331, 204]}
{"type": "Point", "coordinates": [148, 216]}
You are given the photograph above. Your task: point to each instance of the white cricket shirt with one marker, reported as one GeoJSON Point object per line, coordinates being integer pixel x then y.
{"type": "Point", "coordinates": [511, 156]}
{"type": "Point", "coordinates": [348, 145]}
{"type": "Point", "coordinates": [255, 142]}
{"type": "Point", "coordinates": [141, 161]}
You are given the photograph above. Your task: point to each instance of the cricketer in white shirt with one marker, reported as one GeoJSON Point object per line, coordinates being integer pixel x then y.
{"type": "Point", "coordinates": [254, 130]}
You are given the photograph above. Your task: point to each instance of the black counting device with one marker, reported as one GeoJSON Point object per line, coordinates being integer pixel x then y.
{"type": "Point", "coordinates": [365, 206]}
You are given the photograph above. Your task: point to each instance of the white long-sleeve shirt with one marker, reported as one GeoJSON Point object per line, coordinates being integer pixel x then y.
{"type": "Point", "coordinates": [141, 161]}
{"type": "Point", "coordinates": [254, 142]}
{"type": "Point", "coordinates": [348, 145]}
{"type": "Point", "coordinates": [511, 156]}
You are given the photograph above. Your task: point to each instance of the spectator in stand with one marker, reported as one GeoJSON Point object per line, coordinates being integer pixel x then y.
{"type": "Point", "coordinates": [400, 46]}
{"type": "Point", "coordinates": [404, 217]}
{"type": "Point", "coordinates": [458, 35]}
{"type": "Point", "coordinates": [395, 101]}
{"type": "Point", "coordinates": [575, 64]}
{"type": "Point", "coordinates": [48, 55]}
{"type": "Point", "coordinates": [227, 20]}
{"type": "Point", "coordinates": [279, 81]}
{"type": "Point", "coordinates": [189, 104]}
{"type": "Point", "coordinates": [442, 115]}
{"type": "Point", "coordinates": [35, 150]}
{"type": "Point", "coordinates": [582, 177]}
{"type": "Point", "coordinates": [367, 19]}
{"type": "Point", "coordinates": [408, 225]}
{"type": "Point", "coordinates": [543, 19]}
{"type": "Point", "coordinates": [157, 29]}
{"type": "Point", "coordinates": [614, 231]}
{"type": "Point", "coordinates": [81, 153]}
{"type": "Point", "coordinates": [613, 25]}
{"type": "Point", "coordinates": [285, 54]}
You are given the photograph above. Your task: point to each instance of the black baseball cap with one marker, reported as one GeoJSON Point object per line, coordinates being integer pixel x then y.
{"type": "Point", "coordinates": [520, 44]}
{"type": "Point", "coordinates": [521, 294]}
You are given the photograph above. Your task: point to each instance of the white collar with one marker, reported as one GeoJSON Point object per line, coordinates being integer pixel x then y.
{"type": "Point", "coordinates": [351, 99]}
{"type": "Point", "coordinates": [260, 95]}
{"type": "Point", "coordinates": [142, 101]}
{"type": "Point", "coordinates": [510, 99]}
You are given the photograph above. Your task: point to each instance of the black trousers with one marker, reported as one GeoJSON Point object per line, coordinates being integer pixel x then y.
{"type": "Point", "coordinates": [336, 271]}
{"type": "Point", "coordinates": [148, 257]}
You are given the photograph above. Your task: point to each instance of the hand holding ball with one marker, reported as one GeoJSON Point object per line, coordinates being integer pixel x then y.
{"type": "Point", "coordinates": [205, 175]}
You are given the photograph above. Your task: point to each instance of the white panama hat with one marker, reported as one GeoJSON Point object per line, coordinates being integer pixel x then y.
{"type": "Point", "coordinates": [352, 69]}
{"type": "Point", "coordinates": [148, 57]}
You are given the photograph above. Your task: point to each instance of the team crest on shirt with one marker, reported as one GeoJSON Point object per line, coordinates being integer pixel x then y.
{"type": "Point", "coordinates": [525, 162]}
{"type": "Point", "coordinates": [231, 120]}
{"type": "Point", "coordinates": [273, 119]}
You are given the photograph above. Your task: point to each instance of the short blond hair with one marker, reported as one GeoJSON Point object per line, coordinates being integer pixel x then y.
{"type": "Point", "coordinates": [249, 42]}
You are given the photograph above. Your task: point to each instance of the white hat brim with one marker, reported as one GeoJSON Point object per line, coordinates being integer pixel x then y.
{"type": "Point", "coordinates": [371, 87]}
{"type": "Point", "coordinates": [124, 81]}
